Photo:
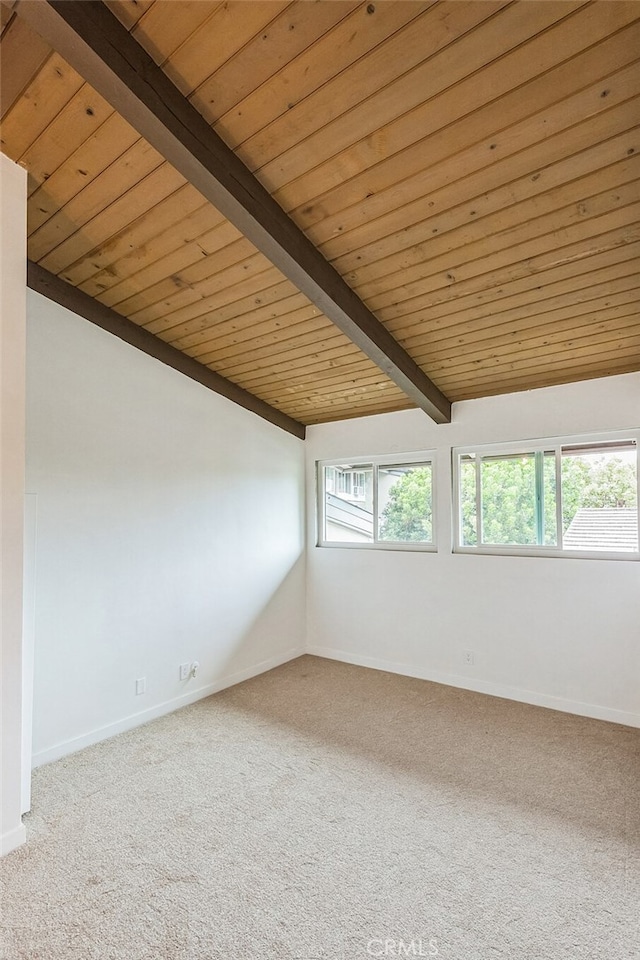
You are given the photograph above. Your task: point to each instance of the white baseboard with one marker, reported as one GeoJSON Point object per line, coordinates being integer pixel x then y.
{"type": "Point", "coordinates": [159, 710]}
{"type": "Point", "coordinates": [593, 711]}
{"type": "Point", "coordinates": [12, 839]}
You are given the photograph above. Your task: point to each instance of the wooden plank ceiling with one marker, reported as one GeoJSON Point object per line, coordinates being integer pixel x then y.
{"type": "Point", "coordinates": [470, 169]}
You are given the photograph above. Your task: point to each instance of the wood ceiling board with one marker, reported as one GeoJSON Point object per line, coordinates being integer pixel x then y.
{"type": "Point", "coordinates": [109, 136]}
{"type": "Point", "coordinates": [318, 413]}
{"type": "Point", "coordinates": [139, 268]}
{"type": "Point", "coordinates": [372, 386]}
{"type": "Point", "coordinates": [420, 146]}
{"type": "Point", "coordinates": [206, 232]}
{"type": "Point", "coordinates": [592, 349]}
{"type": "Point", "coordinates": [23, 54]}
{"type": "Point", "coordinates": [222, 326]}
{"type": "Point", "coordinates": [445, 124]}
{"type": "Point", "coordinates": [169, 245]}
{"type": "Point", "coordinates": [263, 290]}
{"type": "Point", "coordinates": [81, 218]}
{"type": "Point", "coordinates": [47, 94]}
{"type": "Point", "coordinates": [507, 190]}
{"type": "Point", "coordinates": [455, 227]}
{"type": "Point", "coordinates": [331, 381]}
{"type": "Point", "coordinates": [529, 272]}
{"type": "Point", "coordinates": [604, 323]}
{"type": "Point", "coordinates": [220, 37]}
{"type": "Point", "coordinates": [621, 179]}
{"type": "Point", "coordinates": [243, 333]}
{"type": "Point", "coordinates": [117, 66]}
{"type": "Point", "coordinates": [291, 32]}
{"type": "Point", "coordinates": [551, 248]}
{"type": "Point", "coordinates": [334, 349]}
{"type": "Point", "coordinates": [235, 314]}
{"type": "Point", "coordinates": [369, 119]}
{"type": "Point", "coordinates": [38, 252]}
{"type": "Point", "coordinates": [357, 396]}
{"type": "Point", "coordinates": [301, 396]}
{"type": "Point", "coordinates": [527, 219]}
{"type": "Point", "coordinates": [179, 251]}
{"type": "Point", "coordinates": [570, 364]}
{"type": "Point", "coordinates": [162, 32]}
{"type": "Point", "coordinates": [462, 224]}
{"type": "Point", "coordinates": [540, 379]}
{"type": "Point", "coordinates": [534, 310]}
{"type": "Point", "coordinates": [98, 152]}
{"type": "Point", "coordinates": [191, 301]}
{"type": "Point", "coordinates": [143, 27]}
{"type": "Point", "coordinates": [371, 382]}
{"type": "Point", "coordinates": [230, 265]}
{"type": "Point", "coordinates": [156, 186]}
{"type": "Point", "coordinates": [533, 287]}
{"type": "Point", "coordinates": [352, 39]}
{"type": "Point", "coordinates": [285, 344]}
{"type": "Point", "coordinates": [73, 299]}
{"type": "Point", "coordinates": [81, 117]}
{"type": "Point", "coordinates": [310, 368]}
{"type": "Point", "coordinates": [211, 325]}
{"type": "Point", "coordinates": [276, 361]}
{"type": "Point", "coordinates": [436, 151]}
{"type": "Point", "coordinates": [472, 184]}
{"type": "Point", "coordinates": [466, 341]}
{"type": "Point", "coordinates": [342, 111]}
{"type": "Point", "coordinates": [132, 240]}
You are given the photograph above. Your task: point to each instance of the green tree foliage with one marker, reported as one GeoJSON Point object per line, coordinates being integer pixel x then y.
{"type": "Point", "coordinates": [508, 495]}
{"type": "Point", "coordinates": [407, 514]}
{"type": "Point", "coordinates": [508, 500]}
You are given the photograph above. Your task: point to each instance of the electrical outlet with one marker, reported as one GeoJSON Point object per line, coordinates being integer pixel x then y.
{"type": "Point", "coordinates": [141, 686]}
{"type": "Point", "coordinates": [469, 658]}
{"type": "Point", "coordinates": [195, 666]}
{"type": "Point", "coordinates": [185, 671]}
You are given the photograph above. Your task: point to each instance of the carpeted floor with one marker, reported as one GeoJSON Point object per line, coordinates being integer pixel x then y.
{"type": "Point", "coordinates": [328, 812]}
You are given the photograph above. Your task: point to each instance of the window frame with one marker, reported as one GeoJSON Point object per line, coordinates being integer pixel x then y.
{"type": "Point", "coordinates": [534, 446]}
{"type": "Point", "coordinates": [424, 457]}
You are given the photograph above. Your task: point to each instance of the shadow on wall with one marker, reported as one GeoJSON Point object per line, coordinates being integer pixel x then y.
{"type": "Point", "coordinates": [260, 633]}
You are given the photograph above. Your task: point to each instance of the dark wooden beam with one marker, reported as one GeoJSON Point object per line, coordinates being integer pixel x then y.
{"type": "Point", "coordinates": [73, 299]}
{"type": "Point", "coordinates": [94, 42]}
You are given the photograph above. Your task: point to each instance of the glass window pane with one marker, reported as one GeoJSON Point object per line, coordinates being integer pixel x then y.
{"type": "Point", "coordinates": [348, 503]}
{"type": "Point", "coordinates": [550, 538]}
{"type": "Point", "coordinates": [509, 500]}
{"type": "Point", "coordinates": [600, 497]}
{"type": "Point", "coordinates": [468, 518]}
{"type": "Point", "coordinates": [405, 503]}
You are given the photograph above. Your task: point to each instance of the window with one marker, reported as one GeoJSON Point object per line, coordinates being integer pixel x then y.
{"type": "Point", "coordinates": [384, 503]}
{"type": "Point", "coordinates": [568, 497]}
{"type": "Point", "coordinates": [348, 484]}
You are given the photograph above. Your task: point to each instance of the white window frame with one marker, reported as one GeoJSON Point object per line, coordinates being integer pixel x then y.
{"type": "Point", "coordinates": [523, 447]}
{"type": "Point", "coordinates": [406, 459]}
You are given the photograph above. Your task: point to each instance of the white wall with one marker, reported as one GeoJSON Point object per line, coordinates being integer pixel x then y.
{"type": "Point", "coordinates": [170, 529]}
{"type": "Point", "coordinates": [13, 186]}
{"type": "Point", "coordinates": [558, 632]}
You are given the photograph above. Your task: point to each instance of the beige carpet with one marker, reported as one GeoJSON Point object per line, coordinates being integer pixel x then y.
{"type": "Point", "coordinates": [327, 812]}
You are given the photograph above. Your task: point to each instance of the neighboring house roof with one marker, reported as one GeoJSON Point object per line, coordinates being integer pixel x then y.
{"type": "Point", "coordinates": [603, 528]}
{"type": "Point", "coordinates": [349, 515]}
